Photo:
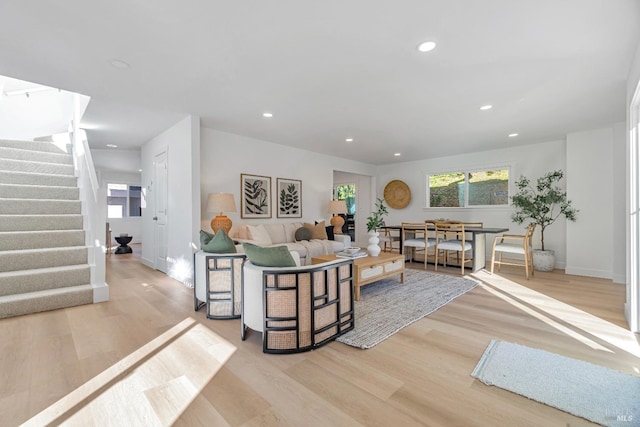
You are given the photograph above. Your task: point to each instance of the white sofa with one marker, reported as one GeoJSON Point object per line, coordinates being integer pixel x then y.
{"type": "Point", "coordinates": [277, 234]}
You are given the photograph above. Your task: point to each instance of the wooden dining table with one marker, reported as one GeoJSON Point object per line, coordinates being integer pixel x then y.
{"type": "Point", "coordinates": [478, 242]}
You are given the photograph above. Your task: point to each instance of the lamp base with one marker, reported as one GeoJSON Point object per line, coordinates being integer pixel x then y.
{"type": "Point", "coordinates": [221, 222]}
{"type": "Point", "coordinates": [337, 221]}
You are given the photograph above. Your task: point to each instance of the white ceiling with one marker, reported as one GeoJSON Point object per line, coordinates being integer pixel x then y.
{"type": "Point", "coordinates": [332, 69]}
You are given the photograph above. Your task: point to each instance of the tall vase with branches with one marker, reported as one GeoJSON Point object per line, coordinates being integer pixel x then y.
{"type": "Point", "coordinates": [375, 221]}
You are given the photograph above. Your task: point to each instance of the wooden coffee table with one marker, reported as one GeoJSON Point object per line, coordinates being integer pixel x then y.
{"type": "Point", "coordinates": [370, 269]}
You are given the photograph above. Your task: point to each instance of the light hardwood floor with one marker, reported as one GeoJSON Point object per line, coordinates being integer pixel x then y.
{"type": "Point", "coordinates": [419, 376]}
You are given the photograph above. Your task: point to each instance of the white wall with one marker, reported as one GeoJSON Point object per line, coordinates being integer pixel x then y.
{"type": "Point", "coordinates": [619, 233]}
{"type": "Point", "coordinates": [532, 161]}
{"type": "Point", "coordinates": [225, 156]}
{"type": "Point", "coordinates": [591, 188]}
{"type": "Point", "coordinates": [128, 161]}
{"type": "Point", "coordinates": [632, 304]}
{"type": "Point", "coordinates": [182, 143]}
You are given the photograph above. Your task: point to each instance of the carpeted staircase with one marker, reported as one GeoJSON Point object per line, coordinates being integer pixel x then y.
{"type": "Point", "coordinates": [43, 257]}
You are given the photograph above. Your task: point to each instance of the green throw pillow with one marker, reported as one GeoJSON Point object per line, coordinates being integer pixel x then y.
{"type": "Point", "coordinates": [303, 233]}
{"type": "Point", "coordinates": [275, 256]}
{"type": "Point", "coordinates": [219, 243]}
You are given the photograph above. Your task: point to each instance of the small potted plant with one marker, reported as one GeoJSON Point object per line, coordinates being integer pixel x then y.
{"type": "Point", "coordinates": [543, 204]}
{"type": "Point", "coordinates": [375, 221]}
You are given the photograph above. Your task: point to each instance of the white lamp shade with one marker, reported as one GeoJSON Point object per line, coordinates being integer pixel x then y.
{"type": "Point", "coordinates": [337, 207]}
{"type": "Point", "coordinates": [221, 202]}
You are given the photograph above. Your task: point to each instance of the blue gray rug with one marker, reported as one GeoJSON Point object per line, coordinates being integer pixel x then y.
{"type": "Point", "coordinates": [593, 392]}
{"type": "Point", "coordinates": [386, 306]}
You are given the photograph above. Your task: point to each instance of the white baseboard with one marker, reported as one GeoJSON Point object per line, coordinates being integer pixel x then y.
{"type": "Point", "coordinates": [620, 279]}
{"type": "Point", "coordinates": [100, 292]}
{"type": "Point", "coordinates": [148, 262]}
{"type": "Point", "coordinates": [600, 274]}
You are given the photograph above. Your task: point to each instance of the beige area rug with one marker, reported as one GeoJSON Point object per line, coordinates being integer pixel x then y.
{"type": "Point", "coordinates": [386, 306]}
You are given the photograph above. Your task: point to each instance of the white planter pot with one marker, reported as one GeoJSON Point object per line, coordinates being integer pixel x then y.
{"type": "Point", "coordinates": [373, 248]}
{"type": "Point", "coordinates": [544, 260]}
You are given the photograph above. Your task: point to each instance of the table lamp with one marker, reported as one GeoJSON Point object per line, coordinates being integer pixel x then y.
{"type": "Point", "coordinates": [337, 207]}
{"type": "Point", "coordinates": [221, 203]}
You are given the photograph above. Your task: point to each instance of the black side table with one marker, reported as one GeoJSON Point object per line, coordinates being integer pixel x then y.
{"type": "Point", "coordinates": [123, 248]}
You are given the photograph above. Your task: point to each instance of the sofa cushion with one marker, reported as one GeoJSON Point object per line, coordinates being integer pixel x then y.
{"type": "Point", "coordinates": [219, 243]}
{"type": "Point", "coordinates": [303, 233]}
{"type": "Point", "coordinates": [330, 234]}
{"type": "Point", "coordinates": [259, 234]}
{"type": "Point", "coordinates": [290, 230]}
{"type": "Point", "coordinates": [275, 256]}
{"type": "Point", "coordinates": [318, 230]}
{"type": "Point", "coordinates": [276, 233]}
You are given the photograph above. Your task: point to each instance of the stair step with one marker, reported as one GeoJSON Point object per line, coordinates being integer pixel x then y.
{"type": "Point", "coordinates": [51, 299]}
{"type": "Point", "coordinates": [35, 156]}
{"type": "Point", "coordinates": [23, 281]}
{"type": "Point", "coordinates": [40, 222]}
{"type": "Point", "coordinates": [36, 167]}
{"type": "Point", "coordinates": [16, 240]}
{"type": "Point", "coordinates": [39, 207]}
{"type": "Point", "coordinates": [30, 178]}
{"type": "Point", "coordinates": [47, 147]}
{"type": "Point", "coordinates": [30, 259]}
{"type": "Point", "coordinates": [20, 191]}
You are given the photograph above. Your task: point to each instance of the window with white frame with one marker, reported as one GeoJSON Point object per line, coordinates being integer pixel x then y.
{"type": "Point", "coordinates": [124, 200]}
{"type": "Point", "coordinates": [460, 189]}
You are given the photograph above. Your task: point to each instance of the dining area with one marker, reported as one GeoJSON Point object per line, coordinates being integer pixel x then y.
{"type": "Point", "coordinates": [451, 243]}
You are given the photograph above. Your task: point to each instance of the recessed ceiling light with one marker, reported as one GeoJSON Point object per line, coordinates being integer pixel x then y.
{"type": "Point", "coordinates": [426, 46]}
{"type": "Point", "coordinates": [513, 135]}
{"type": "Point", "coordinates": [486, 107]}
{"type": "Point", "coordinates": [112, 146]}
{"type": "Point", "coordinates": [117, 63]}
{"type": "Point", "coordinates": [396, 154]}
{"type": "Point", "coordinates": [349, 139]}
{"type": "Point", "coordinates": [268, 115]}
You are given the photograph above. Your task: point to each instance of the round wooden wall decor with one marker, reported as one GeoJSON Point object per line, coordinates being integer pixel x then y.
{"type": "Point", "coordinates": [397, 194]}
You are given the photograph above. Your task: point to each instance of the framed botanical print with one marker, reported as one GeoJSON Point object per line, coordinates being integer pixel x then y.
{"type": "Point", "coordinates": [289, 194]}
{"type": "Point", "coordinates": [255, 201]}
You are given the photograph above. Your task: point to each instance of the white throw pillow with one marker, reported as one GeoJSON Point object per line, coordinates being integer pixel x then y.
{"type": "Point", "coordinates": [259, 235]}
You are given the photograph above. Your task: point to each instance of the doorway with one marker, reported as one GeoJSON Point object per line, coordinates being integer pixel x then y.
{"type": "Point", "coordinates": [347, 192]}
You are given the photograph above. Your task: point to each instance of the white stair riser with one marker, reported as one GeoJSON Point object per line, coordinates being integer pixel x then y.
{"type": "Point", "coordinates": [35, 167]}
{"type": "Point", "coordinates": [34, 302]}
{"type": "Point", "coordinates": [43, 146]}
{"type": "Point", "coordinates": [27, 178]}
{"type": "Point", "coordinates": [43, 279]}
{"type": "Point", "coordinates": [12, 191]}
{"type": "Point", "coordinates": [40, 207]}
{"type": "Point", "coordinates": [42, 258]}
{"type": "Point", "coordinates": [40, 222]}
{"type": "Point", "coordinates": [15, 240]}
{"type": "Point", "coordinates": [35, 156]}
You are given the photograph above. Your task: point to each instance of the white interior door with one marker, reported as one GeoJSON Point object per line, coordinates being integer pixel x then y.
{"type": "Point", "coordinates": [160, 211]}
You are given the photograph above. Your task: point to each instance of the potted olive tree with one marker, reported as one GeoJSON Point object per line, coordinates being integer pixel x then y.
{"type": "Point", "coordinates": [375, 221]}
{"type": "Point", "coordinates": [542, 204]}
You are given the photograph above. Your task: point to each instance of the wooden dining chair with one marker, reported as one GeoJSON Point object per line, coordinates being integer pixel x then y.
{"type": "Point", "coordinates": [514, 244]}
{"type": "Point", "coordinates": [450, 236]}
{"type": "Point", "coordinates": [415, 236]}
{"type": "Point", "coordinates": [388, 238]}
